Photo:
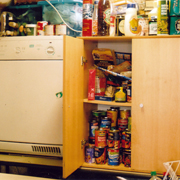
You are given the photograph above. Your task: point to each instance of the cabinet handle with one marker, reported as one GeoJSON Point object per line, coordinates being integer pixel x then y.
{"type": "Point", "coordinates": [83, 60]}
{"type": "Point", "coordinates": [141, 105]}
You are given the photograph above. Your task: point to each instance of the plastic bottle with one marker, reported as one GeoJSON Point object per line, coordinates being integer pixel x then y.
{"type": "Point", "coordinates": [95, 19]}
{"type": "Point", "coordinates": [154, 176]}
{"type": "Point", "coordinates": [131, 22]}
{"type": "Point", "coordinates": [104, 17]}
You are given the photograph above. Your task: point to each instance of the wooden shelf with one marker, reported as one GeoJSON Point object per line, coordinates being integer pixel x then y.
{"type": "Point", "coordinates": [121, 167]}
{"type": "Point", "coordinates": [111, 103]}
{"type": "Point", "coordinates": [123, 38]}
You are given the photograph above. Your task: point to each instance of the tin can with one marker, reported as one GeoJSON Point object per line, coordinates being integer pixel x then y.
{"type": "Point", "coordinates": [100, 138]}
{"type": "Point", "coordinates": [123, 137]}
{"type": "Point", "coordinates": [60, 29]}
{"type": "Point", "coordinates": [41, 27]}
{"type": "Point", "coordinates": [127, 142]}
{"type": "Point", "coordinates": [100, 155]}
{"type": "Point", "coordinates": [143, 24]}
{"type": "Point", "coordinates": [127, 157]}
{"type": "Point", "coordinates": [120, 25]}
{"type": "Point", "coordinates": [93, 125]}
{"type": "Point", "coordinates": [124, 114]}
{"type": "Point", "coordinates": [49, 30]}
{"type": "Point", "coordinates": [113, 114]}
{"type": "Point", "coordinates": [89, 154]}
{"type": "Point", "coordinates": [129, 123]}
{"type": "Point", "coordinates": [113, 157]}
{"type": "Point", "coordinates": [113, 139]}
{"type": "Point", "coordinates": [122, 124]}
{"type": "Point", "coordinates": [120, 155]}
{"type": "Point", "coordinates": [105, 123]}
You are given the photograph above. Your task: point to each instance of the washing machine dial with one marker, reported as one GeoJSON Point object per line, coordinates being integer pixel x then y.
{"type": "Point", "coordinates": [50, 50]}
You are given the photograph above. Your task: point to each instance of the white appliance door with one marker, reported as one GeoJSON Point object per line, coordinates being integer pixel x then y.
{"type": "Point", "coordinates": [30, 101]}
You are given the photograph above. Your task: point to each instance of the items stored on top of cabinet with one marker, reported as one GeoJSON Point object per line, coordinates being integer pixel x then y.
{"type": "Point", "coordinates": [153, 18]}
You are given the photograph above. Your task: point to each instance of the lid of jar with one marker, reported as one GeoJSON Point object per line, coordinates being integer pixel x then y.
{"type": "Point", "coordinates": [132, 5]}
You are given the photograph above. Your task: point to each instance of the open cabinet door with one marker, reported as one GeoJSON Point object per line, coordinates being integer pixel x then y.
{"type": "Point", "coordinates": [73, 121]}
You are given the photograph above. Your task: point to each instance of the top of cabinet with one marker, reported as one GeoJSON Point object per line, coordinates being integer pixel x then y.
{"type": "Point", "coordinates": [123, 38]}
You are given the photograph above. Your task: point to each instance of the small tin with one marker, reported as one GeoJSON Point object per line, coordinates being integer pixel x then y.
{"type": "Point", "coordinates": [41, 27]}
{"type": "Point", "coordinates": [113, 157]}
{"type": "Point", "coordinates": [127, 143]}
{"type": "Point", "coordinates": [93, 125]}
{"type": "Point", "coordinates": [113, 114]}
{"type": "Point", "coordinates": [124, 114]}
{"type": "Point", "coordinates": [127, 157]}
{"type": "Point", "coordinates": [49, 30]}
{"type": "Point", "coordinates": [122, 124]}
{"type": "Point", "coordinates": [129, 123]}
{"type": "Point", "coordinates": [105, 123]}
{"type": "Point", "coordinates": [60, 29]}
{"type": "Point", "coordinates": [100, 155]}
{"type": "Point", "coordinates": [113, 139]}
{"type": "Point", "coordinates": [89, 154]}
{"type": "Point", "coordinates": [100, 138]}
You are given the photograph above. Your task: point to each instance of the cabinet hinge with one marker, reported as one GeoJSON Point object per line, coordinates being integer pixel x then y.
{"type": "Point", "coordinates": [83, 60]}
{"type": "Point", "coordinates": [83, 143]}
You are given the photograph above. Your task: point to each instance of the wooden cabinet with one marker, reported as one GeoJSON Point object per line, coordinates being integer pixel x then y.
{"type": "Point", "coordinates": [155, 100]}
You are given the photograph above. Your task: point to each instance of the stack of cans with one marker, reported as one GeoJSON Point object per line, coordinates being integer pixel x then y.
{"type": "Point", "coordinates": [109, 138]}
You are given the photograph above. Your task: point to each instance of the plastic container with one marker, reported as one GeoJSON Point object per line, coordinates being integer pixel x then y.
{"type": "Point", "coordinates": [131, 21]}
{"type": "Point", "coordinates": [154, 176]}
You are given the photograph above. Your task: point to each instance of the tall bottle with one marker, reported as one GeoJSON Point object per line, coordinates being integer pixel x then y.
{"type": "Point", "coordinates": [154, 176]}
{"type": "Point", "coordinates": [95, 19]}
{"type": "Point", "coordinates": [131, 21]}
{"type": "Point", "coordinates": [104, 17]}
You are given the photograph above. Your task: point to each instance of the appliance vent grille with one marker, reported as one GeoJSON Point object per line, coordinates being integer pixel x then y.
{"type": "Point", "coordinates": [46, 149]}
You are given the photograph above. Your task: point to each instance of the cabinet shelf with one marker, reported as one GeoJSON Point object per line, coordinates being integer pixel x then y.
{"type": "Point", "coordinates": [111, 103]}
{"type": "Point", "coordinates": [121, 167]}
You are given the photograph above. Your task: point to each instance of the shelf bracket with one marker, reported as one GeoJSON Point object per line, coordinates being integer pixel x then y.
{"type": "Point", "coordinates": [83, 60]}
{"type": "Point", "coordinates": [83, 143]}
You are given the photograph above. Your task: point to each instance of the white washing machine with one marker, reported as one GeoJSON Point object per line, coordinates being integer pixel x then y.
{"type": "Point", "coordinates": [31, 95]}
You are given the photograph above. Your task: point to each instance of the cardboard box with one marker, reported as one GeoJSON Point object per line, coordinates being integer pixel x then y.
{"type": "Point", "coordinates": [175, 25]}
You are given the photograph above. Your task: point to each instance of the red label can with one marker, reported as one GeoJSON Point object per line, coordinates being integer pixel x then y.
{"type": "Point", "coordinates": [100, 138]}
{"type": "Point", "coordinates": [87, 18]}
{"type": "Point", "coordinates": [41, 27]}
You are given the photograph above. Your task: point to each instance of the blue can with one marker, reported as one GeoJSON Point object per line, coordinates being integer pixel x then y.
{"type": "Point", "coordinates": [105, 123]}
{"type": "Point", "coordinates": [113, 157]}
{"type": "Point", "coordinates": [89, 154]}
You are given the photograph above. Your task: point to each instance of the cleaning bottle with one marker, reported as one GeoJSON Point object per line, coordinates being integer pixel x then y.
{"type": "Point", "coordinates": [154, 176]}
{"type": "Point", "coordinates": [131, 21]}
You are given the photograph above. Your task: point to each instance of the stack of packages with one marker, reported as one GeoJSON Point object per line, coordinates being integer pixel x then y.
{"type": "Point", "coordinates": [110, 75]}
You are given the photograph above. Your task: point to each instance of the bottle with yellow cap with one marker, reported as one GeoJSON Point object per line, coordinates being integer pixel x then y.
{"type": "Point", "coordinates": [120, 95]}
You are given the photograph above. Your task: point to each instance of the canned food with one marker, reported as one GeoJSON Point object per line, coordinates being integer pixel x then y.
{"type": "Point", "coordinates": [113, 114]}
{"type": "Point", "coordinates": [100, 138]}
{"type": "Point", "coordinates": [89, 154]}
{"type": "Point", "coordinates": [129, 123]}
{"type": "Point", "coordinates": [127, 157]}
{"type": "Point", "coordinates": [113, 157]}
{"type": "Point", "coordinates": [60, 29]}
{"type": "Point", "coordinates": [41, 27]}
{"type": "Point", "coordinates": [93, 125]}
{"type": "Point", "coordinates": [49, 30]}
{"type": "Point", "coordinates": [100, 155]}
{"type": "Point", "coordinates": [122, 124]}
{"type": "Point", "coordinates": [105, 123]}
{"type": "Point", "coordinates": [124, 114]}
{"type": "Point", "coordinates": [127, 142]}
{"type": "Point", "coordinates": [113, 139]}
